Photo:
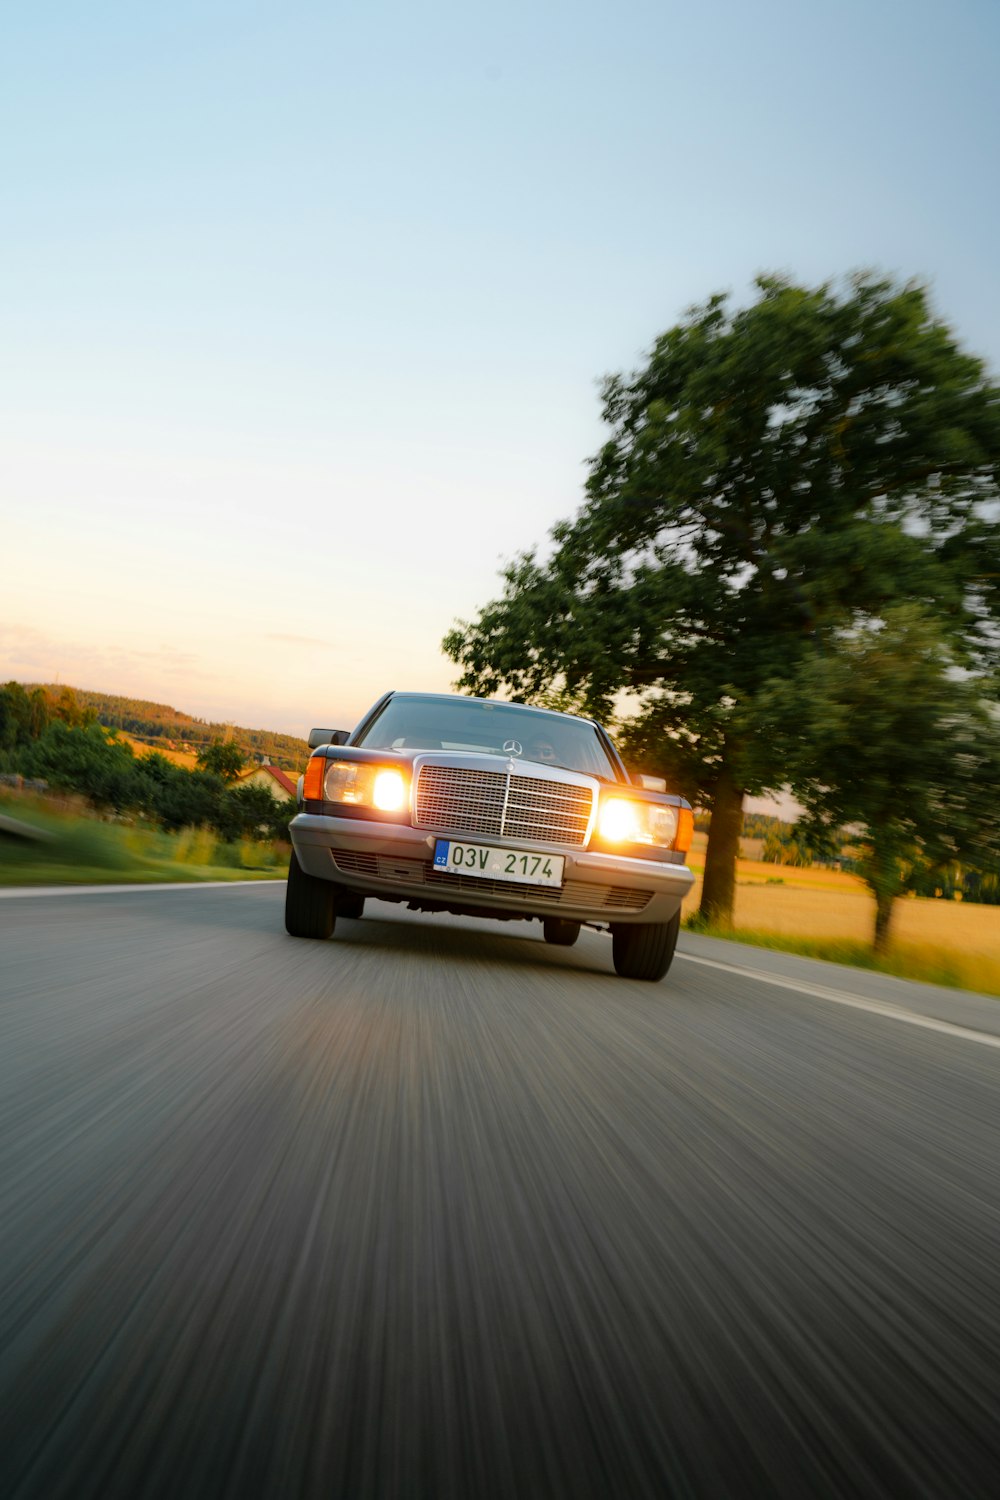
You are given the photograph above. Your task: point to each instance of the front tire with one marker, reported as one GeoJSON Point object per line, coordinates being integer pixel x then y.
{"type": "Point", "coordinates": [561, 933]}
{"type": "Point", "coordinates": [309, 904]}
{"type": "Point", "coordinates": [644, 951]}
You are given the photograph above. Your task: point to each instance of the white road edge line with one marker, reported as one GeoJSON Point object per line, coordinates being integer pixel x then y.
{"type": "Point", "coordinates": [839, 997]}
{"type": "Point", "coordinates": [128, 890]}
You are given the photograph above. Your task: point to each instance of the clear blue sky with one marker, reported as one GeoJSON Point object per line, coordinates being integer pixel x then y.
{"type": "Point", "coordinates": [303, 305]}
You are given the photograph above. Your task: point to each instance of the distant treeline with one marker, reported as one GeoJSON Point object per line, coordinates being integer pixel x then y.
{"type": "Point", "coordinates": [755, 825]}
{"type": "Point", "coordinates": [158, 721]}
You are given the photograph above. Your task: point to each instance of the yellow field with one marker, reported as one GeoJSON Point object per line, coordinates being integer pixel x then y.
{"type": "Point", "coordinates": [827, 904]}
{"type": "Point", "coordinates": [186, 759]}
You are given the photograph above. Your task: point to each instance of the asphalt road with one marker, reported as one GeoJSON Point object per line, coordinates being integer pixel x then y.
{"type": "Point", "coordinates": [435, 1210]}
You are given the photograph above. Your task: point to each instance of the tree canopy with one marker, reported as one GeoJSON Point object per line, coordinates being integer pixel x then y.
{"type": "Point", "coordinates": [886, 737]}
{"type": "Point", "coordinates": [26, 712]}
{"type": "Point", "coordinates": [222, 759]}
{"type": "Point", "coordinates": [773, 473]}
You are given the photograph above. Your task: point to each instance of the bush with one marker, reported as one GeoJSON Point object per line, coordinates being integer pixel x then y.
{"type": "Point", "coordinates": [83, 759]}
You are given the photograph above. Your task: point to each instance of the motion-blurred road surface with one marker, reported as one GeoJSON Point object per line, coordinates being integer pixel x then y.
{"type": "Point", "coordinates": [434, 1210]}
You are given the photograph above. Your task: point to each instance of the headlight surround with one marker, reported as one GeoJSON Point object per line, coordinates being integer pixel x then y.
{"type": "Point", "coordinates": [356, 783]}
{"type": "Point", "coordinates": [622, 821]}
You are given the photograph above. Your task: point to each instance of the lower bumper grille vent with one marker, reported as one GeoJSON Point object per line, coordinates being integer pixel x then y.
{"type": "Point", "coordinates": [573, 893]}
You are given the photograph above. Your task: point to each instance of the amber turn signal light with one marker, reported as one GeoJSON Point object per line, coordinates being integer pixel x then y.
{"type": "Point", "coordinates": [685, 830]}
{"type": "Point", "coordinates": [312, 787]}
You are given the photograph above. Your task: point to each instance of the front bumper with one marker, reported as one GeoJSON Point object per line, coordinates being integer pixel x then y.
{"type": "Point", "coordinates": [395, 862]}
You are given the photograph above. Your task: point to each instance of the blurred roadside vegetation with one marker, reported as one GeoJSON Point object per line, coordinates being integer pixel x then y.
{"type": "Point", "coordinates": [101, 811]}
{"type": "Point", "coordinates": [73, 847]}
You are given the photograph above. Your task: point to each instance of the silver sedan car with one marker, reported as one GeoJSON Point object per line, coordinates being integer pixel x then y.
{"type": "Point", "coordinates": [489, 809]}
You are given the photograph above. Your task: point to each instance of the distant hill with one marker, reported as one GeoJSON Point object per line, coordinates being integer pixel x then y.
{"type": "Point", "coordinates": [160, 727]}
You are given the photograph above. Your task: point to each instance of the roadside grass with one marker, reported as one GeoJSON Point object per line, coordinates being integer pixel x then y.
{"type": "Point", "coordinates": [74, 850]}
{"type": "Point", "coordinates": [951, 943]}
{"type": "Point", "coordinates": [924, 963]}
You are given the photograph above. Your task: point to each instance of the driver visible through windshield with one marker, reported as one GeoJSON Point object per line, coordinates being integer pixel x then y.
{"type": "Point", "coordinates": [409, 721]}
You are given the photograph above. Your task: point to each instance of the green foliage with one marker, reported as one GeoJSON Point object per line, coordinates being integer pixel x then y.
{"type": "Point", "coordinates": [64, 705]}
{"type": "Point", "coordinates": [884, 735]}
{"type": "Point", "coordinates": [221, 759]}
{"type": "Point", "coordinates": [23, 715]}
{"type": "Point", "coordinates": [85, 759]}
{"type": "Point", "coordinates": [251, 811]}
{"type": "Point", "coordinates": [773, 473]}
{"type": "Point", "coordinates": [277, 816]}
{"type": "Point", "coordinates": [187, 799]}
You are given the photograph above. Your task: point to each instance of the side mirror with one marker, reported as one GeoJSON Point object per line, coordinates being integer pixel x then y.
{"type": "Point", "coordinates": [319, 737]}
{"type": "Point", "coordinates": [652, 783]}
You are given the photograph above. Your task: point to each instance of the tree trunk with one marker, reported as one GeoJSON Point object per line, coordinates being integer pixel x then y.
{"type": "Point", "coordinates": [718, 891]}
{"type": "Point", "coordinates": [884, 880]}
{"type": "Point", "coordinates": [884, 902]}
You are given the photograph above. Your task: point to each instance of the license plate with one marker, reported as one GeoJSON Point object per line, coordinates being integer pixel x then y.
{"type": "Point", "coordinates": [521, 866]}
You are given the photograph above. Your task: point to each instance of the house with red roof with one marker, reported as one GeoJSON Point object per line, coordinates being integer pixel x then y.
{"type": "Point", "coordinates": [278, 782]}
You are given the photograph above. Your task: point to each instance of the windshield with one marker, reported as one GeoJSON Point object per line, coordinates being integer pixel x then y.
{"type": "Point", "coordinates": [412, 722]}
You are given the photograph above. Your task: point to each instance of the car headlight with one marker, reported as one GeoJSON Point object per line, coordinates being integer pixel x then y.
{"type": "Point", "coordinates": [359, 784]}
{"type": "Point", "coordinates": [623, 821]}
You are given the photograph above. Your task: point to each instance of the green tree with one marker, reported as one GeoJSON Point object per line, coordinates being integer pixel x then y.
{"type": "Point", "coordinates": [24, 715]}
{"type": "Point", "coordinates": [222, 759]}
{"type": "Point", "coordinates": [771, 472]}
{"type": "Point", "coordinates": [248, 811]}
{"type": "Point", "coordinates": [174, 797]}
{"type": "Point", "coordinates": [189, 799]}
{"type": "Point", "coordinates": [85, 759]}
{"type": "Point", "coordinates": [64, 705]}
{"type": "Point", "coordinates": [891, 741]}
{"type": "Point", "coordinates": [15, 713]}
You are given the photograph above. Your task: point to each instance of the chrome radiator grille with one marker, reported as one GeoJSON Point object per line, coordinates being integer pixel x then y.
{"type": "Point", "coordinates": [495, 803]}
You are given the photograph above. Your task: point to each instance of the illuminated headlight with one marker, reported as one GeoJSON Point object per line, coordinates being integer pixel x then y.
{"type": "Point", "coordinates": [361, 785]}
{"type": "Point", "coordinates": [389, 792]}
{"type": "Point", "coordinates": [624, 822]}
